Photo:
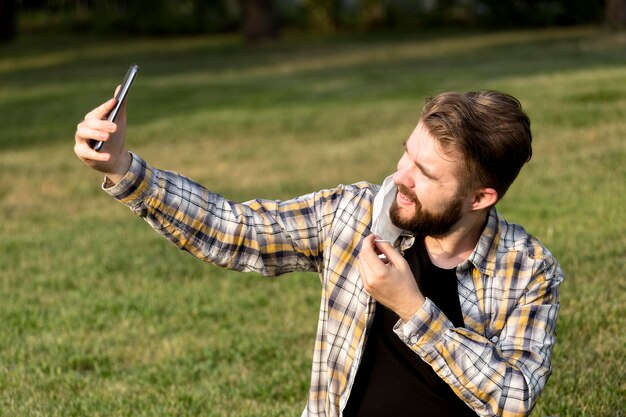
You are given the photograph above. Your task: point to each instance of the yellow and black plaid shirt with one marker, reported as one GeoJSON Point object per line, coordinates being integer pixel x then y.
{"type": "Point", "coordinates": [508, 287]}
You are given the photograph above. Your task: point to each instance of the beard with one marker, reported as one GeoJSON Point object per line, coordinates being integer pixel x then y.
{"type": "Point", "coordinates": [424, 222]}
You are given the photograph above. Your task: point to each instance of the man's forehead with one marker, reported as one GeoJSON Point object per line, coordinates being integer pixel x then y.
{"type": "Point", "coordinates": [422, 145]}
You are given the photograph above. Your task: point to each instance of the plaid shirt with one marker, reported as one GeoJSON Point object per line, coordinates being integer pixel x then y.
{"type": "Point", "coordinates": [508, 287]}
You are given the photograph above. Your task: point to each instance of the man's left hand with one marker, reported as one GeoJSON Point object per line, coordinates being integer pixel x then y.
{"type": "Point", "coordinates": [389, 281]}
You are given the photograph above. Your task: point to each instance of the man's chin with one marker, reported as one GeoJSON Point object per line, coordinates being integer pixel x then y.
{"type": "Point", "coordinates": [401, 217]}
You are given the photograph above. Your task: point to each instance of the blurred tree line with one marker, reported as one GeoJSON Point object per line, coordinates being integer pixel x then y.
{"type": "Point", "coordinates": [263, 19]}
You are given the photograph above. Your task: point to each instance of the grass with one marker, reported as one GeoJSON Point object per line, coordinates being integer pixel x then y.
{"type": "Point", "coordinates": [101, 317]}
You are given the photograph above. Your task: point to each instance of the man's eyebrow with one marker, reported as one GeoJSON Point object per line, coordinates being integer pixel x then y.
{"type": "Point", "coordinates": [421, 167]}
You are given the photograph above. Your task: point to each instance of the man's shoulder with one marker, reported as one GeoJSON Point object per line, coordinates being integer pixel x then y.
{"type": "Point", "coordinates": [347, 203]}
{"type": "Point", "coordinates": [359, 190]}
{"type": "Point", "coordinates": [514, 237]}
{"type": "Point", "coordinates": [506, 246]}
{"type": "Point", "coordinates": [365, 187]}
{"type": "Point", "coordinates": [515, 242]}
{"type": "Point", "coordinates": [362, 186]}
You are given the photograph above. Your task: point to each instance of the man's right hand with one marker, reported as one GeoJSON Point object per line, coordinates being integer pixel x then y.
{"type": "Point", "coordinates": [113, 159]}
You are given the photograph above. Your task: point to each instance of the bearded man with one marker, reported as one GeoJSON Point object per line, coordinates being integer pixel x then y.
{"type": "Point", "coordinates": [432, 303]}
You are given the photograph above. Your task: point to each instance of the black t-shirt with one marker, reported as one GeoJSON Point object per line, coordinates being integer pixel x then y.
{"type": "Point", "coordinates": [392, 380]}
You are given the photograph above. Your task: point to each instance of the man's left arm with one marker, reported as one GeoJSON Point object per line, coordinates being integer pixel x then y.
{"type": "Point", "coordinates": [502, 376]}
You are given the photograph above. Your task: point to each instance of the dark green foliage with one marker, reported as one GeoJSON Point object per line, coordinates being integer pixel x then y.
{"type": "Point", "coordinates": [8, 19]}
{"type": "Point", "coordinates": [166, 17]}
{"type": "Point", "coordinates": [518, 13]}
{"type": "Point", "coordinates": [156, 17]}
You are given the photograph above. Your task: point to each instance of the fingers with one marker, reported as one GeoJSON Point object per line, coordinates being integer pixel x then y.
{"type": "Point", "coordinates": [387, 249]}
{"type": "Point", "coordinates": [89, 130]}
{"type": "Point", "coordinates": [101, 111]}
{"type": "Point", "coordinates": [98, 125]}
{"type": "Point", "coordinates": [393, 284]}
{"type": "Point", "coordinates": [95, 129]}
{"type": "Point", "coordinates": [85, 134]}
{"type": "Point", "coordinates": [379, 255]}
{"type": "Point", "coordinates": [370, 255]}
{"type": "Point", "coordinates": [104, 109]}
{"type": "Point", "coordinates": [87, 154]}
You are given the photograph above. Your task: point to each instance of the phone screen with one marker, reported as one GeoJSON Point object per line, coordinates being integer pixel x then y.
{"type": "Point", "coordinates": [120, 97]}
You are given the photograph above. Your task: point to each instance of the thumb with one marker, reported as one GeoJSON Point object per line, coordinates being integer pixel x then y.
{"type": "Point", "coordinates": [387, 249]}
{"type": "Point", "coordinates": [101, 111]}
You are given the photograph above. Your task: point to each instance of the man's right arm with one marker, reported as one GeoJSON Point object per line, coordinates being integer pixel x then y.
{"type": "Point", "coordinates": [269, 237]}
{"type": "Point", "coordinates": [265, 236]}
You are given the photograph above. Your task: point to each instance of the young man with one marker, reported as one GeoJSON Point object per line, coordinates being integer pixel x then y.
{"type": "Point", "coordinates": [433, 304]}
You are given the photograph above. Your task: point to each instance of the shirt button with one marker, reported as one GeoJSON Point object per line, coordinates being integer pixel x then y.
{"type": "Point", "coordinates": [494, 339]}
{"type": "Point", "coordinates": [413, 340]}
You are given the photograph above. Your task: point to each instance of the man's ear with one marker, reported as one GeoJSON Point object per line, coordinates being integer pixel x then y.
{"type": "Point", "coordinates": [484, 198]}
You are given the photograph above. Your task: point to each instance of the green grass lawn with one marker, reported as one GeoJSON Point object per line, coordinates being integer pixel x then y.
{"type": "Point", "coordinates": [101, 317]}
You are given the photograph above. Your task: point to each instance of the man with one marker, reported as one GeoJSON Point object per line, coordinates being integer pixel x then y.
{"type": "Point", "coordinates": [433, 304]}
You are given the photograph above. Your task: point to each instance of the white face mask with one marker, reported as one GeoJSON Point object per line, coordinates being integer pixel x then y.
{"type": "Point", "coordinates": [381, 223]}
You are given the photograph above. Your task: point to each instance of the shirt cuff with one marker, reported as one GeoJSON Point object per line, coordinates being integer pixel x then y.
{"type": "Point", "coordinates": [134, 186]}
{"type": "Point", "coordinates": [426, 328]}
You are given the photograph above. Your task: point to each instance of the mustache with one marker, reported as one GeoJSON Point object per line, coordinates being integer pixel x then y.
{"type": "Point", "coordinates": [405, 191]}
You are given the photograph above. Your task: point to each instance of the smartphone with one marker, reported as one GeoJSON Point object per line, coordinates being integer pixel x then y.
{"type": "Point", "coordinates": [120, 98]}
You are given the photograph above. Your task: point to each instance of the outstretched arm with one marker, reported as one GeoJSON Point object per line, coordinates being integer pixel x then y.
{"type": "Point", "coordinates": [265, 236]}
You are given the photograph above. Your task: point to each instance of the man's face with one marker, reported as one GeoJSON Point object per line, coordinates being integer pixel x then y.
{"type": "Point", "coordinates": [428, 201]}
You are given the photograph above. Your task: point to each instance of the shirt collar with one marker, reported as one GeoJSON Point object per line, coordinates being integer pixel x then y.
{"type": "Point", "coordinates": [483, 257]}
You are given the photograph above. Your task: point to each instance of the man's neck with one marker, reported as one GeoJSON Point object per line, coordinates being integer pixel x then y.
{"type": "Point", "coordinates": [449, 250]}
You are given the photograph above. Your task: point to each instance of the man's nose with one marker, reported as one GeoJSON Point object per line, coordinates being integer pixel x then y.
{"type": "Point", "coordinates": [403, 174]}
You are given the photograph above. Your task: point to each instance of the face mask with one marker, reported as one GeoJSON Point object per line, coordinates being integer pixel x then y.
{"type": "Point", "coordinates": [381, 223]}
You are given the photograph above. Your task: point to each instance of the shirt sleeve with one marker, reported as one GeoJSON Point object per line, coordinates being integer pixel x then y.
{"type": "Point", "coordinates": [501, 376]}
{"type": "Point", "coordinates": [268, 237]}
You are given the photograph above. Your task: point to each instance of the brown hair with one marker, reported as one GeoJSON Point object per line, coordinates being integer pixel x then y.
{"type": "Point", "coordinates": [489, 128]}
